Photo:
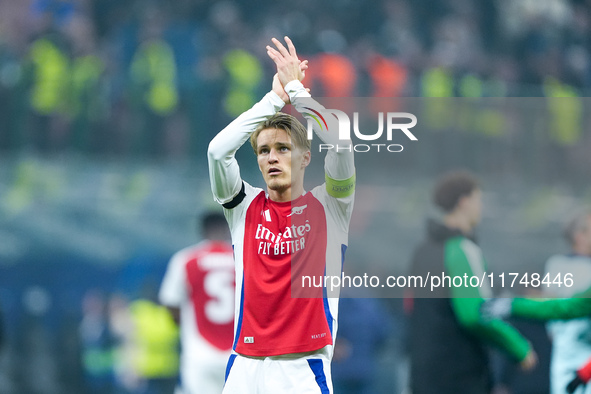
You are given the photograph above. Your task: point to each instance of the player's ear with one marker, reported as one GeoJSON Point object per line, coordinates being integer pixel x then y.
{"type": "Point", "coordinates": [306, 159]}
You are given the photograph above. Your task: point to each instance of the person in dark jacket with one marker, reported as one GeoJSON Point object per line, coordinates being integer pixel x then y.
{"type": "Point", "coordinates": [448, 334]}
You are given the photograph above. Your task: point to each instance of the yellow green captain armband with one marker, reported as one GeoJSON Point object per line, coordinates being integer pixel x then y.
{"type": "Point", "coordinates": [340, 189]}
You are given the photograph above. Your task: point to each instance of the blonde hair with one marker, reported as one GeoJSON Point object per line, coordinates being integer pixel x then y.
{"type": "Point", "coordinates": [296, 131]}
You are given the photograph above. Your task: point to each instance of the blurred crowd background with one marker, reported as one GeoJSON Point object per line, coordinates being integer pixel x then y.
{"type": "Point", "coordinates": [152, 77]}
{"type": "Point", "coordinates": [107, 107]}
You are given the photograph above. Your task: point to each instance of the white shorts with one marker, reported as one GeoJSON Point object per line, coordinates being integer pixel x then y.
{"type": "Point", "coordinates": [301, 373]}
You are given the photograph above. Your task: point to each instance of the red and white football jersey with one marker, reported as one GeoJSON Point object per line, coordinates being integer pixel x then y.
{"type": "Point", "coordinates": [274, 246]}
{"type": "Point", "coordinates": [200, 281]}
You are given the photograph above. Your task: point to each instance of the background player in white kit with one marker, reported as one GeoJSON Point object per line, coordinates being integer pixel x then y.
{"type": "Point", "coordinates": [198, 288]}
{"type": "Point", "coordinates": [282, 344]}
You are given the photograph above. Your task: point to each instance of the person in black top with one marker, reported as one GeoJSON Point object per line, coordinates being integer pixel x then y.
{"type": "Point", "coordinates": [448, 334]}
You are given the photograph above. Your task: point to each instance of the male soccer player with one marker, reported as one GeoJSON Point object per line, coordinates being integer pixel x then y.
{"type": "Point", "coordinates": [198, 288]}
{"type": "Point", "coordinates": [282, 344]}
{"type": "Point", "coordinates": [447, 332]}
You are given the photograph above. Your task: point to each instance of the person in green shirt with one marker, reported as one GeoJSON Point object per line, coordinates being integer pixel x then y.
{"type": "Point", "coordinates": [448, 334]}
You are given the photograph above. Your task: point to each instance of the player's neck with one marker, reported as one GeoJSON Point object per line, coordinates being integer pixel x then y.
{"type": "Point", "coordinates": [457, 221]}
{"type": "Point", "coordinates": [291, 193]}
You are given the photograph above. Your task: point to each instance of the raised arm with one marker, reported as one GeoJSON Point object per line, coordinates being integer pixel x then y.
{"type": "Point", "coordinates": [339, 163]}
{"type": "Point", "coordinates": [224, 172]}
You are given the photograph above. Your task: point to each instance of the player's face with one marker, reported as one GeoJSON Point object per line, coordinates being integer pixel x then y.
{"type": "Point", "coordinates": [280, 162]}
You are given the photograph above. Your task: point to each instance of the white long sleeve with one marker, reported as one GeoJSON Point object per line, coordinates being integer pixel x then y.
{"type": "Point", "coordinates": [339, 163]}
{"type": "Point", "coordinates": [224, 172]}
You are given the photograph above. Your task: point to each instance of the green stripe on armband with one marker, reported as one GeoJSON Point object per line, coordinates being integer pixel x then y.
{"type": "Point", "coordinates": [340, 189]}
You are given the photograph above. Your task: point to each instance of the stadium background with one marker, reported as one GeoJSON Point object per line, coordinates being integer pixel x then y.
{"type": "Point", "coordinates": [107, 107]}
